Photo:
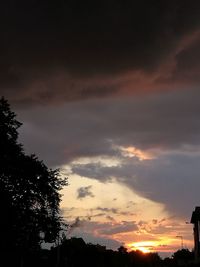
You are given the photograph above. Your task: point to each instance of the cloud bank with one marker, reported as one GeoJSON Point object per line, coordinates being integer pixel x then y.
{"type": "Point", "coordinates": [153, 141]}
{"type": "Point", "coordinates": [66, 51]}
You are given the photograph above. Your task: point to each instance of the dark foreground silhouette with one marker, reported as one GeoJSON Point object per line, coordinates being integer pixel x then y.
{"type": "Point", "coordinates": [29, 196]}
{"type": "Point", "coordinates": [75, 252]}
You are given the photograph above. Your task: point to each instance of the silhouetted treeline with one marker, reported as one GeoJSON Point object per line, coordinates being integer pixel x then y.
{"type": "Point", "coordinates": [75, 252]}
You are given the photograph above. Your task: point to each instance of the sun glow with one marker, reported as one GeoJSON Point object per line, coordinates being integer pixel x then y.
{"type": "Point", "coordinates": [145, 246]}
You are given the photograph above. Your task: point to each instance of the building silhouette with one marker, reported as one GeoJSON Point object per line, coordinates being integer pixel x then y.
{"type": "Point", "coordinates": [195, 220]}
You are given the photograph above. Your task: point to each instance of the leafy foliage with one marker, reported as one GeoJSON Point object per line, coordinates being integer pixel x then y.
{"type": "Point", "coordinates": [183, 255]}
{"type": "Point", "coordinates": [29, 191]}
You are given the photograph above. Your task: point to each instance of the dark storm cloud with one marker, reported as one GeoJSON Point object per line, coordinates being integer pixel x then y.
{"type": "Point", "coordinates": [50, 50]}
{"type": "Point", "coordinates": [188, 65]}
{"type": "Point", "coordinates": [93, 128]}
{"type": "Point", "coordinates": [168, 123]}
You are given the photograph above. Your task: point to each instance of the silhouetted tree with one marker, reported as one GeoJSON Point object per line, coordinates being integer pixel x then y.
{"type": "Point", "coordinates": [183, 256]}
{"type": "Point", "coordinates": [122, 250]}
{"type": "Point", "coordinates": [75, 252]}
{"type": "Point", "coordinates": [29, 191]}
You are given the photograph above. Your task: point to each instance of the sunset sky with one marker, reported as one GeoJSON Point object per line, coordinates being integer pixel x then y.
{"type": "Point", "coordinates": [109, 92]}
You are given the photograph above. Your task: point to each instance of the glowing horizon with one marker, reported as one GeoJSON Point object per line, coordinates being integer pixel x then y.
{"type": "Point", "coordinates": [124, 219]}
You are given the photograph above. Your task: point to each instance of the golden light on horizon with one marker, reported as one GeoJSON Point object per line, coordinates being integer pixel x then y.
{"type": "Point", "coordinates": [115, 212]}
{"type": "Point", "coordinates": [143, 246]}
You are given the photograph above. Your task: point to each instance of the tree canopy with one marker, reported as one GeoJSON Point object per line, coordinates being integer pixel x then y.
{"type": "Point", "coordinates": [29, 191]}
